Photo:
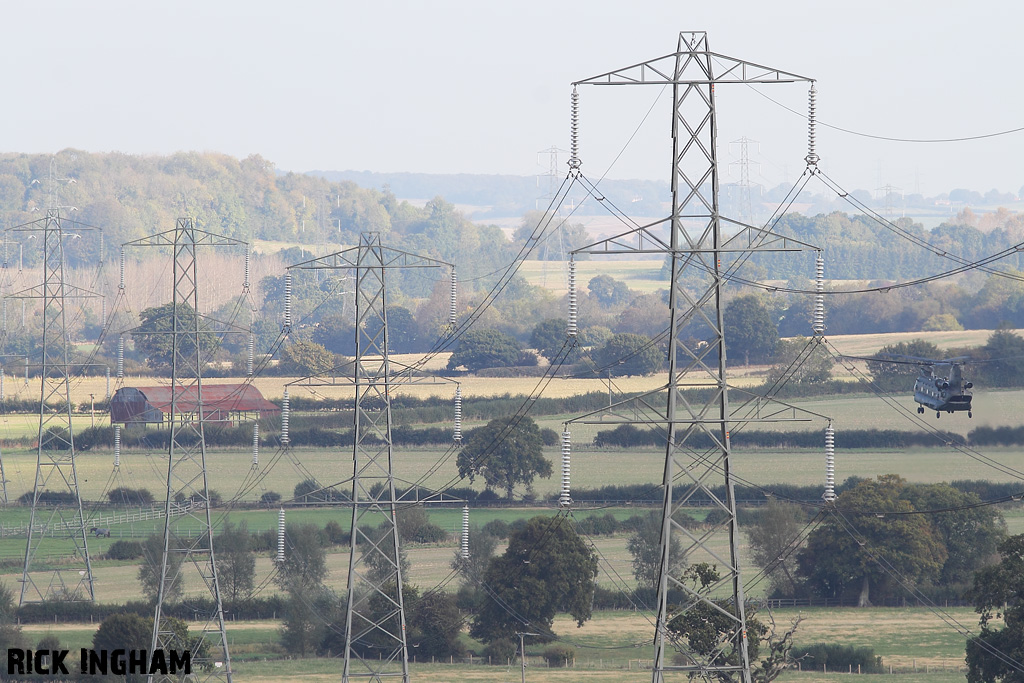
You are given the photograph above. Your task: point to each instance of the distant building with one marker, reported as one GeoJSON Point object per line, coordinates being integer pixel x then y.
{"type": "Point", "coordinates": [221, 403]}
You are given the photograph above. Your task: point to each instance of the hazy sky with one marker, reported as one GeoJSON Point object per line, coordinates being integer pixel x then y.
{"type": "Point", "coordinates": [481, 86]}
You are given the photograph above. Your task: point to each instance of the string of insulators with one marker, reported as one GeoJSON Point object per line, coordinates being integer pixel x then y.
{"type": "Point", "coordinates": [103, 251]}
{"type": "Point", "coordinates": [812, 123]}
{"type": "Point", "coordinates": [457, 429]}
{"type": "Point", "coordinates": [120, 357]}
{"type": "Point", "coordinates": [818, 324]}
{"type": "Point", "coordinates": [574, 129]}
{"type": "Point", "coordinates": [280, 535]}
{"type": "Point", "coordinates": [121, 282]}
{"type": "Point", "coordinates": [464, 547]}
{"type": "Point", "coordinates": [288, 300]}
{"type": "Point", "coordinates": [107, 372]}
{"type": "Point", "coordinates": [284, 419]}
{"type": "Point", "coordinates": [252, 354]}
{"type": "Point", "coordinates": [5, 316]}
{"type": "Point", "coordinates": [245, 282]}
{"type": "Point", "coordinates": [256, 444]}
{"type": "Point", "coordinates": [453, 299]}
{"type": "Point", "coordinates": [574, 309]}
{"type": "Point", "coordinates": [830, 464]}
{"type": "Point", "coordinates": [2, 395]}
{"type": "Point", "coordinates": [26, 369]}
{"type": "Point", "coordinates": [117, 445]}
{"type": "Point", "coordinates": [563, 497]}
{"type": "Point", "coordinates": [103, 315]}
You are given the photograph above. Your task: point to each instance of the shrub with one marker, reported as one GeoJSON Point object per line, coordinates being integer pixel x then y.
{"type": "Point", "coordinates": [124, 550]}
{"type": "Point", "coordinates": [559, 655]}
{"type": "Point", "coordinates": [838, 657]}
{"type": "Point", "coordinates": [270, 499]}
{"type": "Point", "coordinates": [497, 528]}
{"type": "Point", "coordinates": [123, 495]}
{"type": "Point", "coordinates": [499, 652]}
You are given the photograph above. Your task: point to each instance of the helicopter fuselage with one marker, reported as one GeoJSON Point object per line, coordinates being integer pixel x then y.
{"type": "Point", "coordinates": [943, 394]}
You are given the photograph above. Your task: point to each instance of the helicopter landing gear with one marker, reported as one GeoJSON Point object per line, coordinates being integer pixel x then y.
{"type": "Point", "coordinates": [970, 414]}
{"type": "Point", "coordinates": [937, 415]}
{"type": "Point", "coordinates": [920, 410]}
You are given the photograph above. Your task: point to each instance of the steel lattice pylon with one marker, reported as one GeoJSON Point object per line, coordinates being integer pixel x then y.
{"type": "Point", "coordinates": [186, 462]}
{"type": "Point", "coordinates": [696, 243]}
{"type": "Point", "coordinates": [375, 633]}
{"type": "Point", "coordinates": [55, 461]}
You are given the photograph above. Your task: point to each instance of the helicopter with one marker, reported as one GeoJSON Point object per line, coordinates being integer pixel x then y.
{"type": "Point", "coordinates": [941, 387]}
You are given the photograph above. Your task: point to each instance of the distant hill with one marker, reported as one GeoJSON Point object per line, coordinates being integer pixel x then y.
{"type": "Point", "coordinates": [499, 196]}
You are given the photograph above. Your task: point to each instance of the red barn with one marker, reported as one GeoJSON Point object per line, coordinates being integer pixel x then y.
{"type": "Point", "coordinates": [221, 402]}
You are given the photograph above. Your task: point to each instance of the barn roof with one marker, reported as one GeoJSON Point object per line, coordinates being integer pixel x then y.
{"type": "Point", "coordinates": [225, 397]}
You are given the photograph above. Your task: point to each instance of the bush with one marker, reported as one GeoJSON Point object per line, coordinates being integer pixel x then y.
{"type": "Point", "coordinates": [123, 495]}
{"type": "Point", "coordinates": [270, 499]}
{"type": "Point", "coordinates": [499, 652]}
{"type": "Point", "coordinates": [124, 550]}
{"type": "Point", "coordinates": [559, 655]}
{"type": "Point", "coordinates": [836, 657]}
{"type": "Point", "coordinates": [497, 528]}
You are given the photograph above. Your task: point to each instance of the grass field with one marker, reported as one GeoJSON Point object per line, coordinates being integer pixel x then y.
{"type": "Point", "coordinates": [903, 637]}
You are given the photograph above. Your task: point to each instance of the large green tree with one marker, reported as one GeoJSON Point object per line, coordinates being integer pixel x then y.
{"type": "Point", "coordinates": [305, 359]}
{"type": "Point", "coordinates": [751, 332]}
{"type": "Point", "coordinates": [236, 561]}
{"type": "Point", "coordinates": [644, 545]}
{"type": "Point", "coordinates": [608, 291]}
{"type": "Point", "coordinates": [841, 558]}
{"type": "Point", "coordinates": [893, 367]}
{"type": "Point", "coordinates": [484, 348]}
{"type": "Point", "coordinates": [546, 569]}
{"type": "Point", "coordinates": [506, 452]}
{"type": "Point", "coordinates": [149, 570]}
{"type": "Point", "coordinates": [629, 354]}
{"type": "Point", "coordinates": [154, 339]}
{"type": "Point", "coordinates": [994, 656]}
{"type": "Point", "coordinates": [772, 535]}
{"type": "Point", "coordinates": [1005, 351]}
{"type": "Point", "coordinates": [301, 576]}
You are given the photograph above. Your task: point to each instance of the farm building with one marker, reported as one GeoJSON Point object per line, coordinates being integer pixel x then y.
{"type": "Point", "coordinates": [221, 402]}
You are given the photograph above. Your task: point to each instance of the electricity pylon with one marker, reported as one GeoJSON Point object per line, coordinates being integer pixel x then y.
{"type": "Point", "coordinates": [375, 633]}
{"type": "Point", "coordinates": [186, 461]}
{"type": "Point", "coordinates": [62, 518]}
{"type": "Point", "coordinates": [696, 244]}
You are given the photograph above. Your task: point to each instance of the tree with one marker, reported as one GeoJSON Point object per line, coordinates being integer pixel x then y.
{"type": "Point", "coordinates": [549, 337]}
{"type": "Point", "coordinates": [645, 547]}
{"type": "Point", "coordinates": [608, 291]}
{"type": "Point", "coordinates": [1005, 351]}
{"type": "Point", "coordinates": [149, 570]}
{"type": "Point", "coordinates": [435, 624]}
{"type": "Point", "coordinates": [403, 333]}
{"type": "Point", "coordinates": [306, 358]}
{"type": "Point", "coordinates": [970, 532]}
{"type": "Point", "coordinates": [124, 631]}
{"type": "Point", "coordinates": [236, 562]}
{"type": "Point", "coordinates": [805, 366]}
{"type": "Point", "coordinates": [506, 452]}
{"type": "Point", "coordinates": [479, 349]}
{"type": "Point", "coordinates": [750, 330]}
{"type": "Point", "coordinates": [709, 631]}
{"type": "Point", "coordinates": [336, 333]}
{"type": "Point", "coordinates": [546, 569]}
{"type": "Point", "coordinates": [900, 376]}
{"type": "Point", "coordinates": [629, 354]}
{"type": "Point", "coordinates": [999, 592]}
{"type": "Point", "coordinates": [481, 548]}
{"type": "Point", "coordinates": [837, 565]}
{"type": "Point", "coordinates": [771, 537]}
{"type": "Point", "coordinates": [302, 575]}
{"type": "Point", "coordinates": [152, 336]}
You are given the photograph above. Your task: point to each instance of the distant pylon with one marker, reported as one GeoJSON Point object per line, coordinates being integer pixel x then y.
{"type": "Point", "coordinates": [375, 624]}
{"type": "Point", "coordinates": [60, 522]}
{"type": "Point", "coordinates": [186, 461]}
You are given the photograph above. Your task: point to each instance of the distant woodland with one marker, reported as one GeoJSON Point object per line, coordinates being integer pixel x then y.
{"type": "Point", "coordinates": [294, 216]}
